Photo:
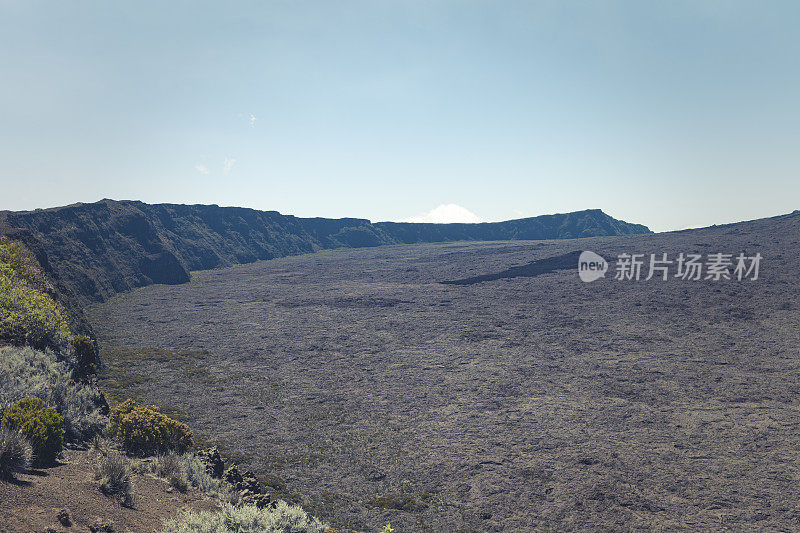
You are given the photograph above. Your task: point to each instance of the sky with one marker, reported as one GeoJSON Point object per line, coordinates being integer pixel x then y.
{"type": "Point", "coordinates": [671, 114]}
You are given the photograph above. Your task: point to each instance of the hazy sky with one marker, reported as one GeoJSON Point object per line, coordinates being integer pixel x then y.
{"type": "Point", "coordinates": [671, 114]}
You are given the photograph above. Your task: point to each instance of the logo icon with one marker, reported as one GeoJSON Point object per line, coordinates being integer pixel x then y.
{"type": "Point", "coordinates": [591, 266]}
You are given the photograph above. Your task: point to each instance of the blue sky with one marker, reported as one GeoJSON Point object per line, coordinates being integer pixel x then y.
{"type": "Point", "coordinates": [671, 114]}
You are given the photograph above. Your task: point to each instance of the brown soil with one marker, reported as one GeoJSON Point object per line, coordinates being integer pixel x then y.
{"type": "Point", "coordinates": [33, 501]}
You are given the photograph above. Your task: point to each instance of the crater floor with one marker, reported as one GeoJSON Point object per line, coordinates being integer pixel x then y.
{"type": "Point", "coordinates": [354, 380]}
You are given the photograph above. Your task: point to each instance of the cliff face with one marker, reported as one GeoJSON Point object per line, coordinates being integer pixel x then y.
{"type": "Point", "coordinates": [589, 223]}
{"type": "Point", "coordinates": [100, 249]}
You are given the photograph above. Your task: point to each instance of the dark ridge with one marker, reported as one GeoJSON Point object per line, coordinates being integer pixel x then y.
{"type": "Point", "coordinates": [533, 269]}
{"type": "Point", "coordinates": [98, 250]}
{"type": "Point", "coordinates": [589, 223]}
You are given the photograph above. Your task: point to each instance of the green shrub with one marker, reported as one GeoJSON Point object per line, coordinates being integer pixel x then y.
{"type": "Point", "coordinates": [41, 425]}
{"type": "Point", "coordinates": [113, 471]}
{"type": "Point", "coordinates": [284, 518]}
{"type": "Point", "coordinates": [28, 312]}
{"type": "Point", "coordinates": [146, 431]}
{"type": "Point", "coordinates": [15, 453]}
{"type": "Point", "coordinates": [85, 356]}
{"type": "Point", "coordinates": [19, 260]}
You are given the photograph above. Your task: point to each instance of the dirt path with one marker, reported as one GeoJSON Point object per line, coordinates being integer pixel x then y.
{"type": "Point", "coordinates": [32, 503]}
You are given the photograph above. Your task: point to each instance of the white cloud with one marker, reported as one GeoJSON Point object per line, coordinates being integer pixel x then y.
{"type": "Point", "coordinates": [229, 162]}
{"type": "Point", "coordinates": [447, 213]}
{"type": "Point", "coordinates": [202, 169]}
{"type": "Point", "coordinates": [252, 120]}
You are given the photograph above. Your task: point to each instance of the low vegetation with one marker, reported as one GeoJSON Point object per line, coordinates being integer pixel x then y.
{"type": "Point", "coordinates": [29, 373]}
{"type": "Point", "coordinates": [29, 315]}
{"type": "Point", "coordinates": [44, 356]}
{"type": "Point", "coordinates": [15, 453]}
{"type": "Point", "coordinates": [86, 363]}
{"type": "Point", "coordinates": [283, 518]}
{"type": "Point", "coordinates": [199, 477]}
{"type": "Point", "coordinates": [172, 468]}
{"type": "Point", "coordinates": [41, 425]}
{"type": "Point", "coordinates": [184, 470]}
{"type": "Point", "coordinates": [49, 395]}
{"type": "Point", "coordinates": [113, 472]}
{"type": "Point", "coordinates": [146, 431]}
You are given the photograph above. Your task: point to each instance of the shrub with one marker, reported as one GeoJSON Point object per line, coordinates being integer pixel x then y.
{"type": "Point", "coordinates": [198, 476]}
{"type": "Point", "coordinates": [15, 453]}
{"type": "Point", "coordinates": [113, 471]}
{"type": "Point", "coordinates": [83, 413]}
{"type": "Point", "coordinates": [147, 431]}
{"type": "Point", "coordinates": [25, 372]}
{"type": "Point", "coordinates": [28, 312]}
{"type": "Point", "coordinates": [41, 425]}
{"type": "Point", "coordinates": [85, 356]}
{"type": "Point", "coordinates": [171, 467]}
{"type": "Point", "coordinates": [188, 469]}
{"type": "Point", "coordinates": [19, 260]}
{"type": "Point", "coordinates": [284, 518]}
{"type": "Point", "coordinates": [29, 373]}
{"type": "Point", "coordinates": [100, 443]}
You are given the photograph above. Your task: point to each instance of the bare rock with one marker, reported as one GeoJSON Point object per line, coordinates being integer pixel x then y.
{"type": "Point", "coordinates": [213, 462]}
{"type": "Point", "coordinates": [250, 482]}
{"type": "Point", "coordinates": [101, 525]}
{"type": "Point", "coordinates": [375, 475]}
{"type": "Point", "coordinates": [241, 480]}
{"type": "Point", "coordinates": [232, 475]}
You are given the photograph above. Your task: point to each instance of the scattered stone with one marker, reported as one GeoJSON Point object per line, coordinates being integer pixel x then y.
{"type": "Point", "coordinates": [100, 525]}
{"type": "Point", "coordinates": [250, 481]}
{"type": "Point", "coordinates": [375, 475]}
{"type": "Point", "coordinates": [63, 518]}
{"type": "Point", "coordinates": [232, 475]}
{"type": "Point", "coordinates": [241, 480]}
{"type": "Point", "coordinates": [212, 461]}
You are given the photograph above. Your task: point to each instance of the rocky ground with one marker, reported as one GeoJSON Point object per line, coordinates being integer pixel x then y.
{"type": "Point", "coordinates": [359, 384]}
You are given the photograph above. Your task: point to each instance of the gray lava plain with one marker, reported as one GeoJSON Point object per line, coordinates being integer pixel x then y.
{"type": "Point", "coordinates": [357, 383]}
